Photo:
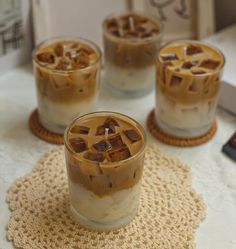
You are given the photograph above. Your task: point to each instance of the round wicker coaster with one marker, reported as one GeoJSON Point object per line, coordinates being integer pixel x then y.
{"type": "Point", "coordinates": [159, 134]}
{"type": "Point", "coordinates": [41, 132]}
{"type": "Point", "coordinates": [169, 213]}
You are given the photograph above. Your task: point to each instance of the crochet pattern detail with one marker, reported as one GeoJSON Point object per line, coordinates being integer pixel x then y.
{"type": "Point", "coordinates": [169, 213]}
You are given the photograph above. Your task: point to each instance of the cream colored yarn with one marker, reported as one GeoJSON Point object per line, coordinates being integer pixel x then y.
{"type": "Point", "coordinates": [170, 209]}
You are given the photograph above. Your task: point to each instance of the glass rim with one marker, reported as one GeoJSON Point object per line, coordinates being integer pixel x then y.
{"type": "Point", "coordinates": [71, 151]}
{"type": "Point", "coordinates": [136, 39]}
{"type": "Point", "coordinates": [192, 41]}
{"type": "Point", "coordinates": [92, 44]}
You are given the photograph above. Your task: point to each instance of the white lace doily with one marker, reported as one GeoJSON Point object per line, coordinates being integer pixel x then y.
{"type": "Point", "coordinates": [170, 209]}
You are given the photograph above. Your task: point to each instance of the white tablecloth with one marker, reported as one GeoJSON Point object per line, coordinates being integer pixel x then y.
{"type": "Point", "coordinates": [214, 175]}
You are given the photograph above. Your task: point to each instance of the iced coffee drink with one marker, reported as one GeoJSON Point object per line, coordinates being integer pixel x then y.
{"type": "Point", "coordinates": [188, 84]}
{"type": "Point", "coordinates": [67, 73]}
{"type": "Point", "coordinates": [131, 43]}
{"type": "Point", "coordinates": [104, 157]}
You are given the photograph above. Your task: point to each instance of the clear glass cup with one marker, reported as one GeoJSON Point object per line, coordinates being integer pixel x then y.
{"type": "Point", "coordinates": [131, 43]}
{"type": "Point", "coordinates": [67, 75]}
{"type": "Point", "coordinates": [104, 156]}
{"type": "Point", "coordinates": [187, 87]}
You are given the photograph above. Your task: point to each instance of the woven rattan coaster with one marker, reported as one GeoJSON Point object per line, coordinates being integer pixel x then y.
{"type": "Point", "coordinates": [156, 131]}
{"type": "Point", "coordinates": [41, 132]}
{"type": "Point", "coordinates": [170, 209]}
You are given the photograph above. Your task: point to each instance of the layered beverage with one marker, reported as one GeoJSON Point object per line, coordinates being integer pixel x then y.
{"type": "Point", "coordinates": [131, 43]}
{"type": "Point", "coordinates": [104, 157]}
{"type": "Point", "coordinates": [188, 85]}
{"type": "Point", "coordinates": [67, 73]}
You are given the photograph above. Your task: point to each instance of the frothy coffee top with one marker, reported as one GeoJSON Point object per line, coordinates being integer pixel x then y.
{"type": "Point", "coordinates": [191, 58]}
{"type": "Point", "coordinates": [66, 55]}
{"type": "Point", "coordinates": [132, 26]}
{"type": "Point", "coordinates": [105, 139]}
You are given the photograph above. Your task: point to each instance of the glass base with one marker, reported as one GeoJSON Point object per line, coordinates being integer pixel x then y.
{"type": "Point", "coordinates": [58, 129]}
{"type": "Point", "coordinates": [183, 133]}
{"type": "Point", "coordinates": [99, 226]}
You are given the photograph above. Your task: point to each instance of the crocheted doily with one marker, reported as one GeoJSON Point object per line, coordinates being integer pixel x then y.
{"type": "Point", "coordinates": [170, 209]}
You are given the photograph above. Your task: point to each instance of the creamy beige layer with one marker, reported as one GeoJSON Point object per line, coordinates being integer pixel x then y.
{"type": "Point", "coordinates": [107, 209]}
{"type": "Point", "coordinates": [130, 79]}
{"type": "Point", "coordinates": [181, 116]}
{"type": "Point", "coordinates": [56, 116]}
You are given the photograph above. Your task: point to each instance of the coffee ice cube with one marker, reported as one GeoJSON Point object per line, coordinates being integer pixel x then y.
{"type": "Point", "coordinates": [169, 57]}
{"type": "Point", "coordinates": [193, 49]}
{"type": "Point", "coordinates": [141, 29]}
{"type": "Point", "coordinates": [74, 45]}
{"type": "Point", "coordinates": [143, 32]}
{"type": "Point", "coordinates": [210, 64]}
{"type": "Point", "coordinates": [132, 135]}
{"type": "Point", "coordinates": [64, 64]}
{"type": "Point", "coordinates": [60, 82]}
{"type": "Point", "coordinates": [142, 20]}
{"type": "Point", "coordinates": [119, 154]}
{"type": "Point", "coordinates": [175, 81]}
{"type": "Point", "coordinates": [112, 24]}
{"type": "Point", "coordinates": [80, 129]}
{"type": "Point", "coordinates": [125, 19]}
{"type": "Point", "coordinates": [46, 57]}
{"type": "Point", "coordinates": [115, 32]}
{"type": "Point", "coordinates": [82, 60]}
{"type": "Point", "coordinates": [194, 87]}
{"type": "Point", "coordinates": [78, 144]}
{"type": "Point", "coordinates": [94, 156]}
{"type": "Point", "coordinates": [101, 146]}
{"type": "Point", "coordinates": [125, 26]}
{"type": "Point", "coordinates": [112, 27]}
{"type": "Point", "coordinates": [116, 141]}
{"type": "Point", "coordinates": [59, 50]}
{"type": "Point", "coordinates": [85, 51]}
{"type": "Point", "coordinates": [187, 65]}
{"type": "Point", "coordinates": [110, 121]}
